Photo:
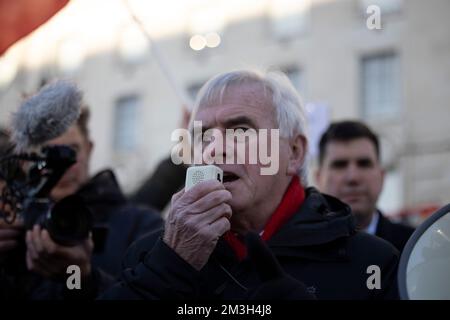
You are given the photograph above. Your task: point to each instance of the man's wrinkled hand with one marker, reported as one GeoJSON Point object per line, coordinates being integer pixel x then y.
{"type": "Point", "coordinates": [196, 220]}
{"type": "Point", "coordinates": [49, 259]}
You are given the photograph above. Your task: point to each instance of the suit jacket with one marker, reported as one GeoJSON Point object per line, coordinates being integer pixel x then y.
{"type": "Point", "coordinates": [395, 233]}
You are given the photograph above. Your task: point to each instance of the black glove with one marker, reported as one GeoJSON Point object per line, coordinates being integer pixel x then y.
{"type": "Point", "coordinates": [276, 284]}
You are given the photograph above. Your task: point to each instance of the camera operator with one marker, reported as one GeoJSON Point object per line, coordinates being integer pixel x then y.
{"type": "Point", "coordinates": [121, 222]}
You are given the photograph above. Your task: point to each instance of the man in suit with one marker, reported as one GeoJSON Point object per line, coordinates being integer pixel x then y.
{"type": "Point", "coordinates": [350, 169]}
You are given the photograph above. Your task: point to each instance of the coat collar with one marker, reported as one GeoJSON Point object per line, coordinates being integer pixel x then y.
{"type": "Point", "coordinates": [102, 188]}
{"type": "Point", "coordinates": [319, 231]}
{"type": "Point", "coordinates": [320, 220]}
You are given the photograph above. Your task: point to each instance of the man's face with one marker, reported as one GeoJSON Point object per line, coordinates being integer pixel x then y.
{"type": "Point", "coordinates": [247, 107]}
{"type": "Point", "coordinates": [351, 172]}
{"type": "Point", "coordinates": [78, 174]}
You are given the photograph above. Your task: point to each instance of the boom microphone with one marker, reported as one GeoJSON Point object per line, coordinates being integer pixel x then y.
{"type": "Point", "coordinates": [40, 118]}
{"type": "Point", "coordinates": [46, 115]}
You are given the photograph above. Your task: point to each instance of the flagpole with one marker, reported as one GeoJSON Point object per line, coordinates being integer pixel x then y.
{"type": "Point", "coordinates": [181, 93]}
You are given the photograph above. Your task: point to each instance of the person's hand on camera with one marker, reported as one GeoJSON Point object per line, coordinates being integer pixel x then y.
{"type": "Point", "coordinates": [9, 237]}
{"type": "Point", "coordinates": [196, 220]}
{"type": "Point", "coordinates": [49, 259]}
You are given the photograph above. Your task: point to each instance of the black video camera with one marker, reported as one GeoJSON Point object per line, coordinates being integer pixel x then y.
{"type": "Point", "coordinates": [29, 180]}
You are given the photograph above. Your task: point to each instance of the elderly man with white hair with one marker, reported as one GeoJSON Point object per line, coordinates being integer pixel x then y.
{"type": "Point", "coordinates": [257, 236]}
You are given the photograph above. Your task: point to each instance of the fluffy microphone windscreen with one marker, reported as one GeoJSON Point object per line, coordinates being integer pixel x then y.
{"type": "Point", "coordinates": [46, 115]}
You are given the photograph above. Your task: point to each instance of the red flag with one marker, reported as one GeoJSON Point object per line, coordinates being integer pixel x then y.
{"type": "Point", "coordinates": [19, 18]}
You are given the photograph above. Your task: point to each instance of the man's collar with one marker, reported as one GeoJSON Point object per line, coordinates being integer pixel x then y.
{"type": "Point", "coordinates": [321, 219]}
{"type": "Point", "coordinates": [321, 222]}
{"type": "Point", "coordinates": [292, 200]}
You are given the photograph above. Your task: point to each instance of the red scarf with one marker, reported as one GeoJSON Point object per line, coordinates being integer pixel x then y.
{"type": "Point", "coordinates": [292, 200]}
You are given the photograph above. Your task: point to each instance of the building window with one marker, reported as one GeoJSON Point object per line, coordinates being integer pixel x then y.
{"type": "Point", "coordinates": [126, 115]}
{"type": "Point", "coordinates": [380, 86]}
{"type": "Point", "coordinates": [289, 18]}
{"type": "Point", "coordinates": [296, 76]}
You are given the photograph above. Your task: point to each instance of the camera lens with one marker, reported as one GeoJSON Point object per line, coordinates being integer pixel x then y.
{"type": "Point", "coordinates": [69, 221]}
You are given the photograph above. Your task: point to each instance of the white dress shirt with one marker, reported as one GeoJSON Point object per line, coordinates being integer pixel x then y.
{"type": "Point", "coordinates": [372, 228]}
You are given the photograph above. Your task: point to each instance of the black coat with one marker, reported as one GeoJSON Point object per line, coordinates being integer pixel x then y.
{"type": "Point", "coordinates": [395, 233]}
{"type": "Point", "coordinates": [317, 246]}
{"type": "Point", "coordinates": [158, 189]}
{"type": "Point", "coordinates": [125, 222]}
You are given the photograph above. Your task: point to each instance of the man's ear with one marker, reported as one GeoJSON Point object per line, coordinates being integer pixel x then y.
{"type": "Point", "coordinates": [298, 147]}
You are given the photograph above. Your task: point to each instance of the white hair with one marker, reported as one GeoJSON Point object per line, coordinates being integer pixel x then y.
{"type": "Point", "coordinates": [289, 108]}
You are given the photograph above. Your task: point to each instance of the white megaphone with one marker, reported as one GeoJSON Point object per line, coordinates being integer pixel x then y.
{"type": "Point", "coordinates": [424, 269]}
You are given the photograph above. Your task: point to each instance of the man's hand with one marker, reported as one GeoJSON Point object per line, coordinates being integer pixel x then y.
{"type": "Point", "coordinates": [9, 237]}
{"type": "Point", "coordinates": [196, 220]}
{"type": "Point", "coordinates": [51, 260]}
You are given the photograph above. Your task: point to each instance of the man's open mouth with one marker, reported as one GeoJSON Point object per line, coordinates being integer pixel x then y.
{"type": "Point", "coordinates": [229, 177]}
